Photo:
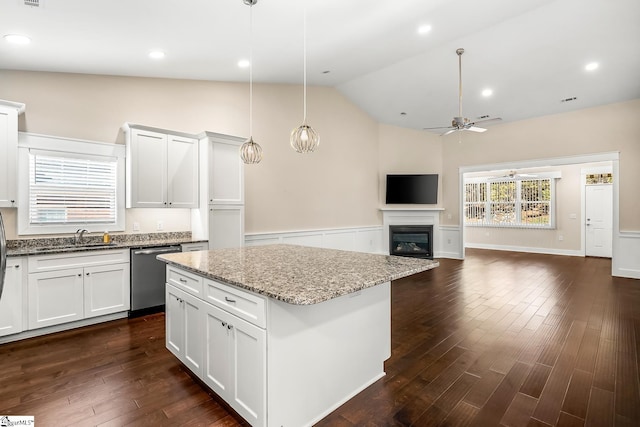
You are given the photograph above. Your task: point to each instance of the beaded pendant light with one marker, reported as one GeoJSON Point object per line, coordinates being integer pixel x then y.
{"type": "Point", "coordinates": [304, 139]}
{"type": "Point", "coordinates": [250, 151]}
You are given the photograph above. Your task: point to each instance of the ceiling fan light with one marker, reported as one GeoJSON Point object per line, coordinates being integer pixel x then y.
{"type": "Point", "coordinates": [304, 139]}
{"type": "Point", "coordinates": [250, 152]}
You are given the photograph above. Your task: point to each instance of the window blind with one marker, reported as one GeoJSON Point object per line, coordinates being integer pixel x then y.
{"type": "Point", "coordinates": [65, 189]}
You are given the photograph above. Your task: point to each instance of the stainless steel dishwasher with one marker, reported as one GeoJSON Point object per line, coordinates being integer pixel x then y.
{"type": "Point", "coordinates": [148, 279]}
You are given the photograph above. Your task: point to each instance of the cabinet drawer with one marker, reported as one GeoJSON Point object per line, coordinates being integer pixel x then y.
{"type": "Point", "coordinates": [245, 305]}
{"type": "Point", "coordinates": [41, 263]}
{"type": "Point", "coordinates": [186, 281]}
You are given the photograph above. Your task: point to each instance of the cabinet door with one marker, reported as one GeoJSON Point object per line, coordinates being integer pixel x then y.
{"type": "Point", "coordinates": [8, 156]}
{"type": "Point", "coordinates": [11, 301]}
{"type": "Point", "coordinates": [147, 169]}
{"type": "Point", "coordinates": [193, 334]}
{"type": "Point", "coordinates": [55, 297]}
{"type": "Point", "coordinates": [226, 173]}
{"type": "Point", "coordinates": [182, 172]}
{"type": "Point", "coordinates": [226, 226]}
{"type": "Point", "coordinates": [174, 321]}
{"type": "Point", "coordinates": [217, 364]}
{"type": "Point", "coordinates": [249, 363]}
{"type": "Point", "coordinates": [106, 289]}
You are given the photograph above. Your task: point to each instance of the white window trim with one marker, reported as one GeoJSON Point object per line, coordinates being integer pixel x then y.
{"type": "Point", "coordinates": [552, 176]}
{"type": "Point", "coordinates": [75, 148]}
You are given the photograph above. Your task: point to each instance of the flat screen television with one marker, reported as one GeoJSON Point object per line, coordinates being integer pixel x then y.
{"type": "Point", "coordinates": [412, 189]}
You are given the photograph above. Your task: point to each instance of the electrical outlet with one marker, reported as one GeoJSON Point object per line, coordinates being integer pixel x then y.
{"type": "Point", "coordinates": [159, 226]}
{"type": "Point", "coordinates": [448, 241]}
{"type": "Point", "coordinates": [561, 237]}
{"type": "Point", "coordinates": [573, 216]}
{"type": "Point", "coordinates": [449, 216]}
{"type": "Point", "coordinates": [136, 226]}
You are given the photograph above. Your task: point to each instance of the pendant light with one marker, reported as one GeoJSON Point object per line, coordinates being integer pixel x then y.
{"type": "Point", "coordinates": [304, 139]}
{"type": "Point", "coordinates": [250, 151]}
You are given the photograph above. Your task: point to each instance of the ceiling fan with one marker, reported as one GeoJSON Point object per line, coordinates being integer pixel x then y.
{"type": "Point", "coordinates": [513, 174]}
{"type": "Point", "coordinates": [461, 123]}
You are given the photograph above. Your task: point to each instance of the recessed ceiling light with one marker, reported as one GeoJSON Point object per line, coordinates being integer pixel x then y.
{"type": "Point", "coordinates": [17, 39]}
{"type": "Point", "coordinates": [591, 66]}
{"type": "Point", "coordinates": [243, 63]}
{"type": "Point", "coordinates": [487, 92]}
{"type": "Point", "coordinates": [156, 54]}
{"type": "Point", "coordinates": [424, 29]}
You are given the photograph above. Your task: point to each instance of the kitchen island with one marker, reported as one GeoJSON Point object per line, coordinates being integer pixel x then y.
{"type": "Point", "coordinates": [284, 334]}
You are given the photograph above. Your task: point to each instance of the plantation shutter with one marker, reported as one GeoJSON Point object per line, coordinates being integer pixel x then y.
{"type": "Point", "coordinates": [69, 189]}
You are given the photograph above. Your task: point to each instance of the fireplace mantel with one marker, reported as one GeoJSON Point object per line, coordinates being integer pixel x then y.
{"type": "Point", "coordinates": [412, 216]}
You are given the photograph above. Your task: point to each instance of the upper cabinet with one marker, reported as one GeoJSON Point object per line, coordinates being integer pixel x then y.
{"type": "Point", "coordinates": [226, 170]}
{"type": "Point", "coordinates": [162, 168]}
{"type": "Point", "coordinates": [9, 112]}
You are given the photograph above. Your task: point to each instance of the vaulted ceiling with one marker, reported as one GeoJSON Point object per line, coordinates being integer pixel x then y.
{"type": "Point", "coordinates": [531, 54]}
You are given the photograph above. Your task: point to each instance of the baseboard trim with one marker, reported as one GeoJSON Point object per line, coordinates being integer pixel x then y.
{"type": "Point", "coordinates": [546, 251]}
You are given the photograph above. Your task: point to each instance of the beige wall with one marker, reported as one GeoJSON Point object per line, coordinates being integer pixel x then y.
{"type": "Point", "coordinates": [340, 185]}
{"type": "Point", "coordinates": [608, 128]}
{"type": "Point", "coordinates": [408, 151]}
{"type": "Point", "coordinates": [334, 187]}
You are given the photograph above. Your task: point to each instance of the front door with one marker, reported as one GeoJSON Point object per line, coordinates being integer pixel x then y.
{"type": "Point", "coordinates": [598, 220]}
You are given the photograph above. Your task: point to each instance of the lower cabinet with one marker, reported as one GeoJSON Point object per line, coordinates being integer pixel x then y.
{"type": "Point", "coordinates": [11, 301]}
{"type": "Point", "coordinates": [235, 363]}
{"type": "Point", "coordinates": [68, 287]}
{"type": "Point", "coordinates": [227, 353]}
{"type": "Point", "coordinates": [184, 325]}
{"type": "Point", "coordinates": [226, 226]}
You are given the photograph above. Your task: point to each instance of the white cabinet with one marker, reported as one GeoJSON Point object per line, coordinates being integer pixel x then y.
{"type": "Point", "coordinates": [55, 297]}
{"type": "Point", "coordinates": [106, 289]}
{"type": "Point", "coordinates": [162, 169]}
{"type": "Point", "coordinates": [9, 112]}
{"type": "Point", "coordinates": [67, 287]}
{"type": "Point", "coordinates": [220, 334]}
{"type": "Point", "coordinates": [226, 226]}
{"type": "Point", "coordinates": [226, 170]}
{"type": "Point", "coordinates": [193, 247]}
{"type": "Point", "coordinates": [11, 302]}
{"type": "Point", "coordinates": [235, 363]}
{"type": "Point", "coordinates": [184, 325]}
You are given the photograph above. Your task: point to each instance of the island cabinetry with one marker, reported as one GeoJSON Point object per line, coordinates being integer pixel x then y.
{"type": "Point", "coordinates": [11, 311]}
{"type": "Point", "coordinates": [235, 363]}
{"type": "Point", "coordinates": [193, 247]}
{"type": "Point", "coordinates": [67, 287]}
{"type": "Point", "coordinates": [184, 328]}
{"type": "Point", "coordinates": [162, 169]}
{"type": "Point", "coordinates": [9, 112]}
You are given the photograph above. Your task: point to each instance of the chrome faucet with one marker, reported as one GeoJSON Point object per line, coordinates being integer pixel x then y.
{"type": "Point", "coordinates": [79, 236]}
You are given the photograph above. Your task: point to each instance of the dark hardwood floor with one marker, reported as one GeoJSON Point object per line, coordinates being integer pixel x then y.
{"type": "Point", "coordinates": [499, 339]}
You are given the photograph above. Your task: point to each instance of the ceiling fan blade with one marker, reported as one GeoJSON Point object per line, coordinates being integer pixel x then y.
{"type": "Point", "coordinates": [496, 119]}
{"type": "Point", "coordinates": [448, 132]}
{"type": "Point", "coordinates": [438, 127]}
{"type": "Point", "coordinates": [475, 129]}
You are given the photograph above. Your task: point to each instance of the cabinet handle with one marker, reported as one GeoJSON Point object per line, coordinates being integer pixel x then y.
{"type": "Point", "coordinates": [227, 299]}
{"type": "Point", "coordinates": [229, 327]}
{"type": "Point", "coordinates": [88, 274]}
{"type": "Point", "coordinates": [224, 324]}
{"type": "Point", "coordinates": [182, 280]}
{"type": "Point", "coordinates": [17, 266]}
{"type": "Point", "coordinates": [79, 274]}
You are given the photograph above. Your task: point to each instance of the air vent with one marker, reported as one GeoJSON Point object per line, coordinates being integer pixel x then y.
{"type": "Point", "coordinates": [573, 98]}
{"type": "Point", "coordinates": [32, 3]}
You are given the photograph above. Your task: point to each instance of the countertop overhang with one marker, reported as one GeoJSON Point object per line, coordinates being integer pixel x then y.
{"type": "Point", "coordinates": [298, 275]}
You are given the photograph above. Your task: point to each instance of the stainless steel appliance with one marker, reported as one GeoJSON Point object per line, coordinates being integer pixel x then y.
{"type": "Point", "coordinates": [3, 255]}
{"type": "Point", "coordinates": [148, 279]}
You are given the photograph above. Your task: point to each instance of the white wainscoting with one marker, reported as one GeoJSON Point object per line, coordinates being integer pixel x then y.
{"type": "Point", "coordinates": [359, 239]}
{"type": "Point", "coordinates": [626, 261]}
{"type": "Point", "coordinates": [449, 244]}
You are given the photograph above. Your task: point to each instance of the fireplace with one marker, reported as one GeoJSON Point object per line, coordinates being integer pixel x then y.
{"type": "Point", "coordinates": [411, 240]}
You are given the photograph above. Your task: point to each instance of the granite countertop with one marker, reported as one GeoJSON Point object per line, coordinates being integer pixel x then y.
{"type": "Point", "coordinates": [57, 245]}
{"type": "Point", "coordinates": [298, 274]}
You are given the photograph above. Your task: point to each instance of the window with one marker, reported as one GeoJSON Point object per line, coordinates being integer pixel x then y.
{"type": "Point", "coordinates": [67, 184]}
{"type": "Point", "coordinates": [510, 202]}
{"type": "Point", "coordinates": [71, 190]}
